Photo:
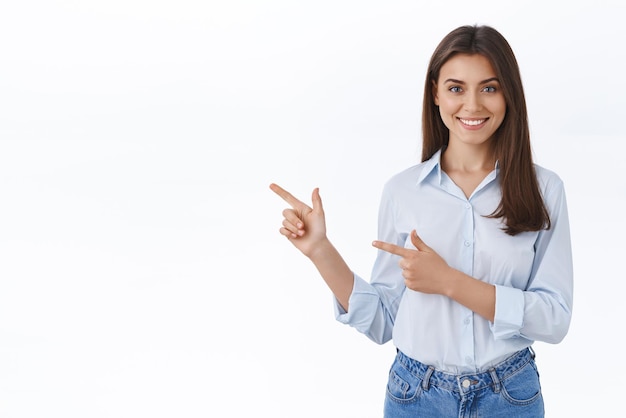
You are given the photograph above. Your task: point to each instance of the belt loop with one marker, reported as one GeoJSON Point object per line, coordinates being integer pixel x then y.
{"type": "Point", "coordinates": [532, 352]}
{"type": "Point", "coordinates": [496, 380]}
{"type": "Point", "coordinates": [426, 379]}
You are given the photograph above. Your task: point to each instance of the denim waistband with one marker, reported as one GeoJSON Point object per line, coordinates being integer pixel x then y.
{"type": "Point", "coordinates": [466, 382]}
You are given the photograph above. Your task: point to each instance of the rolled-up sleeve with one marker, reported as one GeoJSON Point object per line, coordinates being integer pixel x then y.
{"type": "Point", "coordinates": [366, 314]}
{"type": "Point", "coordinates": [509, 317]}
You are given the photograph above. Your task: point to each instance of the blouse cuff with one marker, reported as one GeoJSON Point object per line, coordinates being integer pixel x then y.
{"type": "Point", "coordinates": [509, 316]}
{"type": "Point", "coordinates": [360, 288]}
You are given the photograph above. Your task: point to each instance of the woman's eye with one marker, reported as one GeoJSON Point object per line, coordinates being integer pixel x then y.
{"type": "Point", "coordinates": [455, 89]}
{"type": "Point", "coordinates": [489, 89]}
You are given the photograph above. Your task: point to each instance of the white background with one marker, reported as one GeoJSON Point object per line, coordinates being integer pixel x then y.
{"type": "Point", "coordinates": [141, 269]}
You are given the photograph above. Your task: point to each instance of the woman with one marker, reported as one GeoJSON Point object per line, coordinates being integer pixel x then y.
{"type": "Point", "coordinates": [474, 260]}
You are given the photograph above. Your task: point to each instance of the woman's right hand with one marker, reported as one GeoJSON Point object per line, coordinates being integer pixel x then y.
{"type": "Point", "coordinates": [303, 225]}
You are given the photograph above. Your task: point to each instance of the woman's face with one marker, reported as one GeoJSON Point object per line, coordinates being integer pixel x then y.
{"type": "Point", "coordinates": [470, 101]}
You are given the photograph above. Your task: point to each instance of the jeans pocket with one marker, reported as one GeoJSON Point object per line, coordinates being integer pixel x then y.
{"type": "Point", "coordinates": [402, 386]}
{"type": "Point", "coordinates": [523, 387]}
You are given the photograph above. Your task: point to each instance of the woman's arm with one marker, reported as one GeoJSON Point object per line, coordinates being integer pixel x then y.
{"type": "Point", "coordinates": [305, 228]}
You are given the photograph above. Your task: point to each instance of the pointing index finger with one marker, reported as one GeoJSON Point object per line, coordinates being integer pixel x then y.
{"type": "Point", "coordinates": [287, 197]}
{"type": "Point", "coordinates": [391, 248]}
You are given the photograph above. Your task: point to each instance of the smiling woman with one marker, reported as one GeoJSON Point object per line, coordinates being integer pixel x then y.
{"type": "Point", "coordinates": [463, 313]}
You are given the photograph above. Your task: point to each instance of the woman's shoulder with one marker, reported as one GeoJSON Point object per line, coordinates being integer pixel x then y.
{"type": "Point", "coordinates": [547, 178]}
{"type": "Point", "coordinates": [550, 183]}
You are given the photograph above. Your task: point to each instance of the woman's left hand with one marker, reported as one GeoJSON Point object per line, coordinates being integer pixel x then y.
{"type": "Point", "coordinates": [423, 269]}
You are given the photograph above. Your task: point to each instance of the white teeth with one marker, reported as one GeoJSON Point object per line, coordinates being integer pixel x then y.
{"type": "Point", "coordinates": [472, 122]}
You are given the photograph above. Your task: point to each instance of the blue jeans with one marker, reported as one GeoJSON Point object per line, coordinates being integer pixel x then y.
{"type": "Point", "coordinates": [510, 389]}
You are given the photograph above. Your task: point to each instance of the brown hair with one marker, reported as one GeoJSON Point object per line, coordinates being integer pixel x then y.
{"type": "Point", "coordinates": [521, 207]}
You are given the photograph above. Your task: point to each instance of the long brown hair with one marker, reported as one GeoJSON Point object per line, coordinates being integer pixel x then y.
{"type": "Point", "coordinates": [521, 207]}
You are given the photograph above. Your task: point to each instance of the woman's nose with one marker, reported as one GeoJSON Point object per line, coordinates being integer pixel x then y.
{"type": "Point", "coordinates": [472, 102]}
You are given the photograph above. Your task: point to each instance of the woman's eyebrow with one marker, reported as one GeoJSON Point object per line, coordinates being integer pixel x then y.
{"type": "Point", "coordinates": [455, 81]}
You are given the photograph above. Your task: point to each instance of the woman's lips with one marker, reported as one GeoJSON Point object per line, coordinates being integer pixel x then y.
{"type": "Point", "coordinates": [472, 123]}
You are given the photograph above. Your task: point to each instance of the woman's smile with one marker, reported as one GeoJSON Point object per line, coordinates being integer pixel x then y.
{"type": "Point", "coordinates": [473, 123]}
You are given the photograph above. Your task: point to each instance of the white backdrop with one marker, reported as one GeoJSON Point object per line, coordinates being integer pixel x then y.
{"type": "Point", "coordinates": [141, 269]}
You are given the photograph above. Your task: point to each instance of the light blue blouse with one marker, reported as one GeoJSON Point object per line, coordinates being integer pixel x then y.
{"type": "Point", "coordinates": [532, 272]}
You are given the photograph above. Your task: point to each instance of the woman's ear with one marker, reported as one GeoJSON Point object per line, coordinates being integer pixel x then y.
{"type": "Point", "coordinates": [434, 92]}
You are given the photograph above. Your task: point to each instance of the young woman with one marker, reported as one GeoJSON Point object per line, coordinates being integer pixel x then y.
{"type": "Point", "coordinates": [474, 260]}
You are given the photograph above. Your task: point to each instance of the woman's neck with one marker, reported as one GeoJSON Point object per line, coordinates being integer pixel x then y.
{"type": "Point", "coordinates": [462, 158]}
{"type": "Point", "coordinates": [467, 166]}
